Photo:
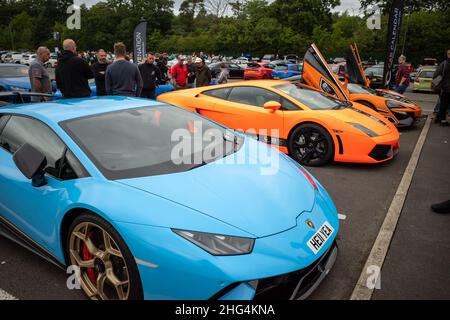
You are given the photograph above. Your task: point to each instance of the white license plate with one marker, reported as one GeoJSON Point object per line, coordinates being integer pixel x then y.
{"type": "Point", "coordinates": [318, 240]}
{"type": "Point", "coordinates": [276, 78]}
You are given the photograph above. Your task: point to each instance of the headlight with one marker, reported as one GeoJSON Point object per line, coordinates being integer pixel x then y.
{"type": "Point", "coordinates": [360, 127]}
{"type": "Point", "coordinates": [218, 245]}
{"type": "Point", "coordinates": [15, 88]}
{"type": "Point", "coordinates": [391, 104]}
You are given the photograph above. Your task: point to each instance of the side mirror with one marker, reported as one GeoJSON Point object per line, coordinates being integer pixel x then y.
{"type": "Point", "coordinates": [31, 162]}
{"type": "Point", "coordinates": [272, 105]}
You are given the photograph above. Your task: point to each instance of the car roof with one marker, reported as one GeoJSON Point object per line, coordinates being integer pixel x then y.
{"type": "Point", "coordinates": [66, 109]}
{"type": "Point", "coordinates": [427, 68]}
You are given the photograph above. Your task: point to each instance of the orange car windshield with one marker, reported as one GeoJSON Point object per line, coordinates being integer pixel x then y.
{"type": "Point", "coordinates": [313, 99]}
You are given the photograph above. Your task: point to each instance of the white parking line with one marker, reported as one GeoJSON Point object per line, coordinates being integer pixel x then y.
{"type": "Point", "coordinates": [6, 296]}
{"type": "Point", "coordinates": [363, 289]}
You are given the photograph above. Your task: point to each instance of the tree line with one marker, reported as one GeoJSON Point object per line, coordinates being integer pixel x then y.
{"type": "Point", "coordinates": [228, 27]}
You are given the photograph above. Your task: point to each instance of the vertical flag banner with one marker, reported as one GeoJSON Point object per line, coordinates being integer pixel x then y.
{"type": "Point", "coordinates": [395, 21]}
{"type": "Point", "coordinates": [139, 42]}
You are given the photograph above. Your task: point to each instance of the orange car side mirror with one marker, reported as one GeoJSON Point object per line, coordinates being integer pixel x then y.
{"type": "Point", "coordinates": [272, 105]}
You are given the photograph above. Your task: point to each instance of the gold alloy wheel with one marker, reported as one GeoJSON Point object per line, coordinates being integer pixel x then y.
{"type": "Point", "coordinates": [103, 269]}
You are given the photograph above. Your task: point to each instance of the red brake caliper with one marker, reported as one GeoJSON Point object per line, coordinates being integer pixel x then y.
{"type": "Point", "coordinates": [92, 274]}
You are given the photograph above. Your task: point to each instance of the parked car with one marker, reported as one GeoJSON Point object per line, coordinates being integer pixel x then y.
{"type": "Point", "coordinates": [53, 61]}
{"type": "Point", "coordinates": [27, 58]}
{"type": "Point", "coordinates": [282, 71]}
{"type": "Point", "coordinates": [140, 224]}
{"type": "Point", "coordinates": [375, 75]}
{"type": "Point", "coordinates": [268, 58]}
{"type": "Point", "coordinates": [240, 60]}
{"type": "Point", "coordinates": [309, 125]}
{"type": "Point", "coordinates": [236, 71]}
{"type": "Point", "coordinates": [13, 57]}
{"type": "Point", "coordinates": [423, 79]}
{"type": "Point", "coordinates": [291, 58]}
{"type": "Point", "coordinates": [399, 110]}
{"type": "Point", "coordinates": [258, 70]}
{"type": "Point", "coordinates": [14, 77]}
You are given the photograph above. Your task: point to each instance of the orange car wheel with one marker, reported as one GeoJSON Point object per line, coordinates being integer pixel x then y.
{"type": "Point", "coordinates": [310, 144]}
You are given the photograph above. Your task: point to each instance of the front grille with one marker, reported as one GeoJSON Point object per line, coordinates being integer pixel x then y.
{"type": "Point", "coordinates": [292, 285]}
{"type": "Point", "coordinates": [381, 152]}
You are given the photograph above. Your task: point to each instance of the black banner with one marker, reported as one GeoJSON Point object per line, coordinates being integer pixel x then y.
{"type": "Point", "coordinates": [139, 42]}
{"type": "Point", "coordinates": [395, 21]}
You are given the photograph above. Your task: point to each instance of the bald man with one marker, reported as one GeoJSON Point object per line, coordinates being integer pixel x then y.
{"type": "Point", "coordinates": [73, 73]}
{"type": "Point", "coordinates": [39, 77]}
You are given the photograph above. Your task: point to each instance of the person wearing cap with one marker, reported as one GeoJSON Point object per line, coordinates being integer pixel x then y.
{"type": "Point", "coordinates": [202, 73]}
{"type": "Point", "coordinates": [179, 74]}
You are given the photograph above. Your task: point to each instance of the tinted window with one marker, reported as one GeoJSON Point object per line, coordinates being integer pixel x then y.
{"type": "Point", "coordinates": [295, 68]}
{"type": "Point", "coordinates": [269, 66]}
{"type": "Point", "coordinates": [13, 72]}
{"type": "Point", "coordinates": [356, 88]}
{"type": "Point", "coordinates": [253, 66]}
{"type": "Point", "coordinates": [218, 93]}
{"type": "Point", "coordinates": [252, 96]}
{"type": "Point", "coordinates": [3, 120]}
{"type": "Point", "coordinates": [376, 71]}
{"type": "Point", "coordinates": [21, 130]}
{"type": "Point", "coordinates": [287, 105]}
{"type": "Point", "coordinates": [281, 67]}
{"type": "Point", "coordinates": [311, 98]}
{"type": "Point", "coordinates": [426, 74]}
{"type": "Point", "coordinates": [138, 142]}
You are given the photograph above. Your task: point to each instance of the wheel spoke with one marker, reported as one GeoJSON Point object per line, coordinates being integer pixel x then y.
{"type": "Point", "coordinates": [101, 286]}
{"type": "Point", "coordinates": [81, 263]}
{"type": "Point", "coordinates": [109, 245]}
{"type": "Point", "coordinates": [118, 284]}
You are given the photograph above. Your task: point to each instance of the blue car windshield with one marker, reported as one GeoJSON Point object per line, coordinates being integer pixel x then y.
{"type": "Point", "coordinates": [150, 141]}
{"type": "Point", "coordinates": [13, 71]}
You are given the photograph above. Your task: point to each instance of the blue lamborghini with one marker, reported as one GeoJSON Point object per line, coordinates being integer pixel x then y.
{"type": "Point", "coordinates": [96, 184]}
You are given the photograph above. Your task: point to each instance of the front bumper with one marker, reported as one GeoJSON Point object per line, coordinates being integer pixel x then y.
{"type": "Point", "coordinates": [364, 149]}
{"type": "Point", "coordinates": [297, 285]}
{"type": "Point", "coordinates": [172, 268]}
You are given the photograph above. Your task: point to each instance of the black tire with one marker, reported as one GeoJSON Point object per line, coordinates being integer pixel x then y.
{"type": "Point", "coordinates": [310, 144]}
{"type": "Point", "coordinates": [135, 286]}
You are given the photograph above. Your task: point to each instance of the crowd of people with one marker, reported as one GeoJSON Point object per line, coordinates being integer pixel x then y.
{"type": "Point", "coordinates": [121, 77]}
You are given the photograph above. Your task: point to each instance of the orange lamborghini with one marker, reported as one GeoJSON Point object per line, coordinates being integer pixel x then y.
{"type": "Point", "coordinates": [309, 125]}
{"type": "Point", "coordinates": [396, 108]}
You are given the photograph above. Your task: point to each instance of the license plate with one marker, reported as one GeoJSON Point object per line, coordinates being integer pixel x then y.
{"type": "Point", "coordinates": [318, 240]}
{"type": "Point", "coordinates": [276, 78]}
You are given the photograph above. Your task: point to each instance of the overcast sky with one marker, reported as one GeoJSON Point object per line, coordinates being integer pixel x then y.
{"type": "Point", "coordinates": [345, 4]}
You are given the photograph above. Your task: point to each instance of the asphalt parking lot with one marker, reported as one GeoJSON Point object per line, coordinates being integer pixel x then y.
{"type": "Point", "coordinates": [417, 262]}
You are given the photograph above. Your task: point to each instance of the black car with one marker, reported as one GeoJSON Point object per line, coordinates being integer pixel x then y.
{"type": "Point", "coordinates": [375, 75]}
{"type": "Point", "coordinates": [236, 71]}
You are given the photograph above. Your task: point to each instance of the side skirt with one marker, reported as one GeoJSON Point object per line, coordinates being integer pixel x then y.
{"type": "Point", "coordinates": [10, 232]}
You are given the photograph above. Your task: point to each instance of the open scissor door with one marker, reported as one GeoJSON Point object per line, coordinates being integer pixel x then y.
{"type": "Point", "coordinates": [318, 74]}
{"type": "Point", "coordinates": [355, 69]}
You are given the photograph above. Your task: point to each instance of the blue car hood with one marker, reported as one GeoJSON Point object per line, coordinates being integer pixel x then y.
{"type": "Point", "coordinates": [238, 194]}
{"type": "Point", "coordinates": [22, 82]}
